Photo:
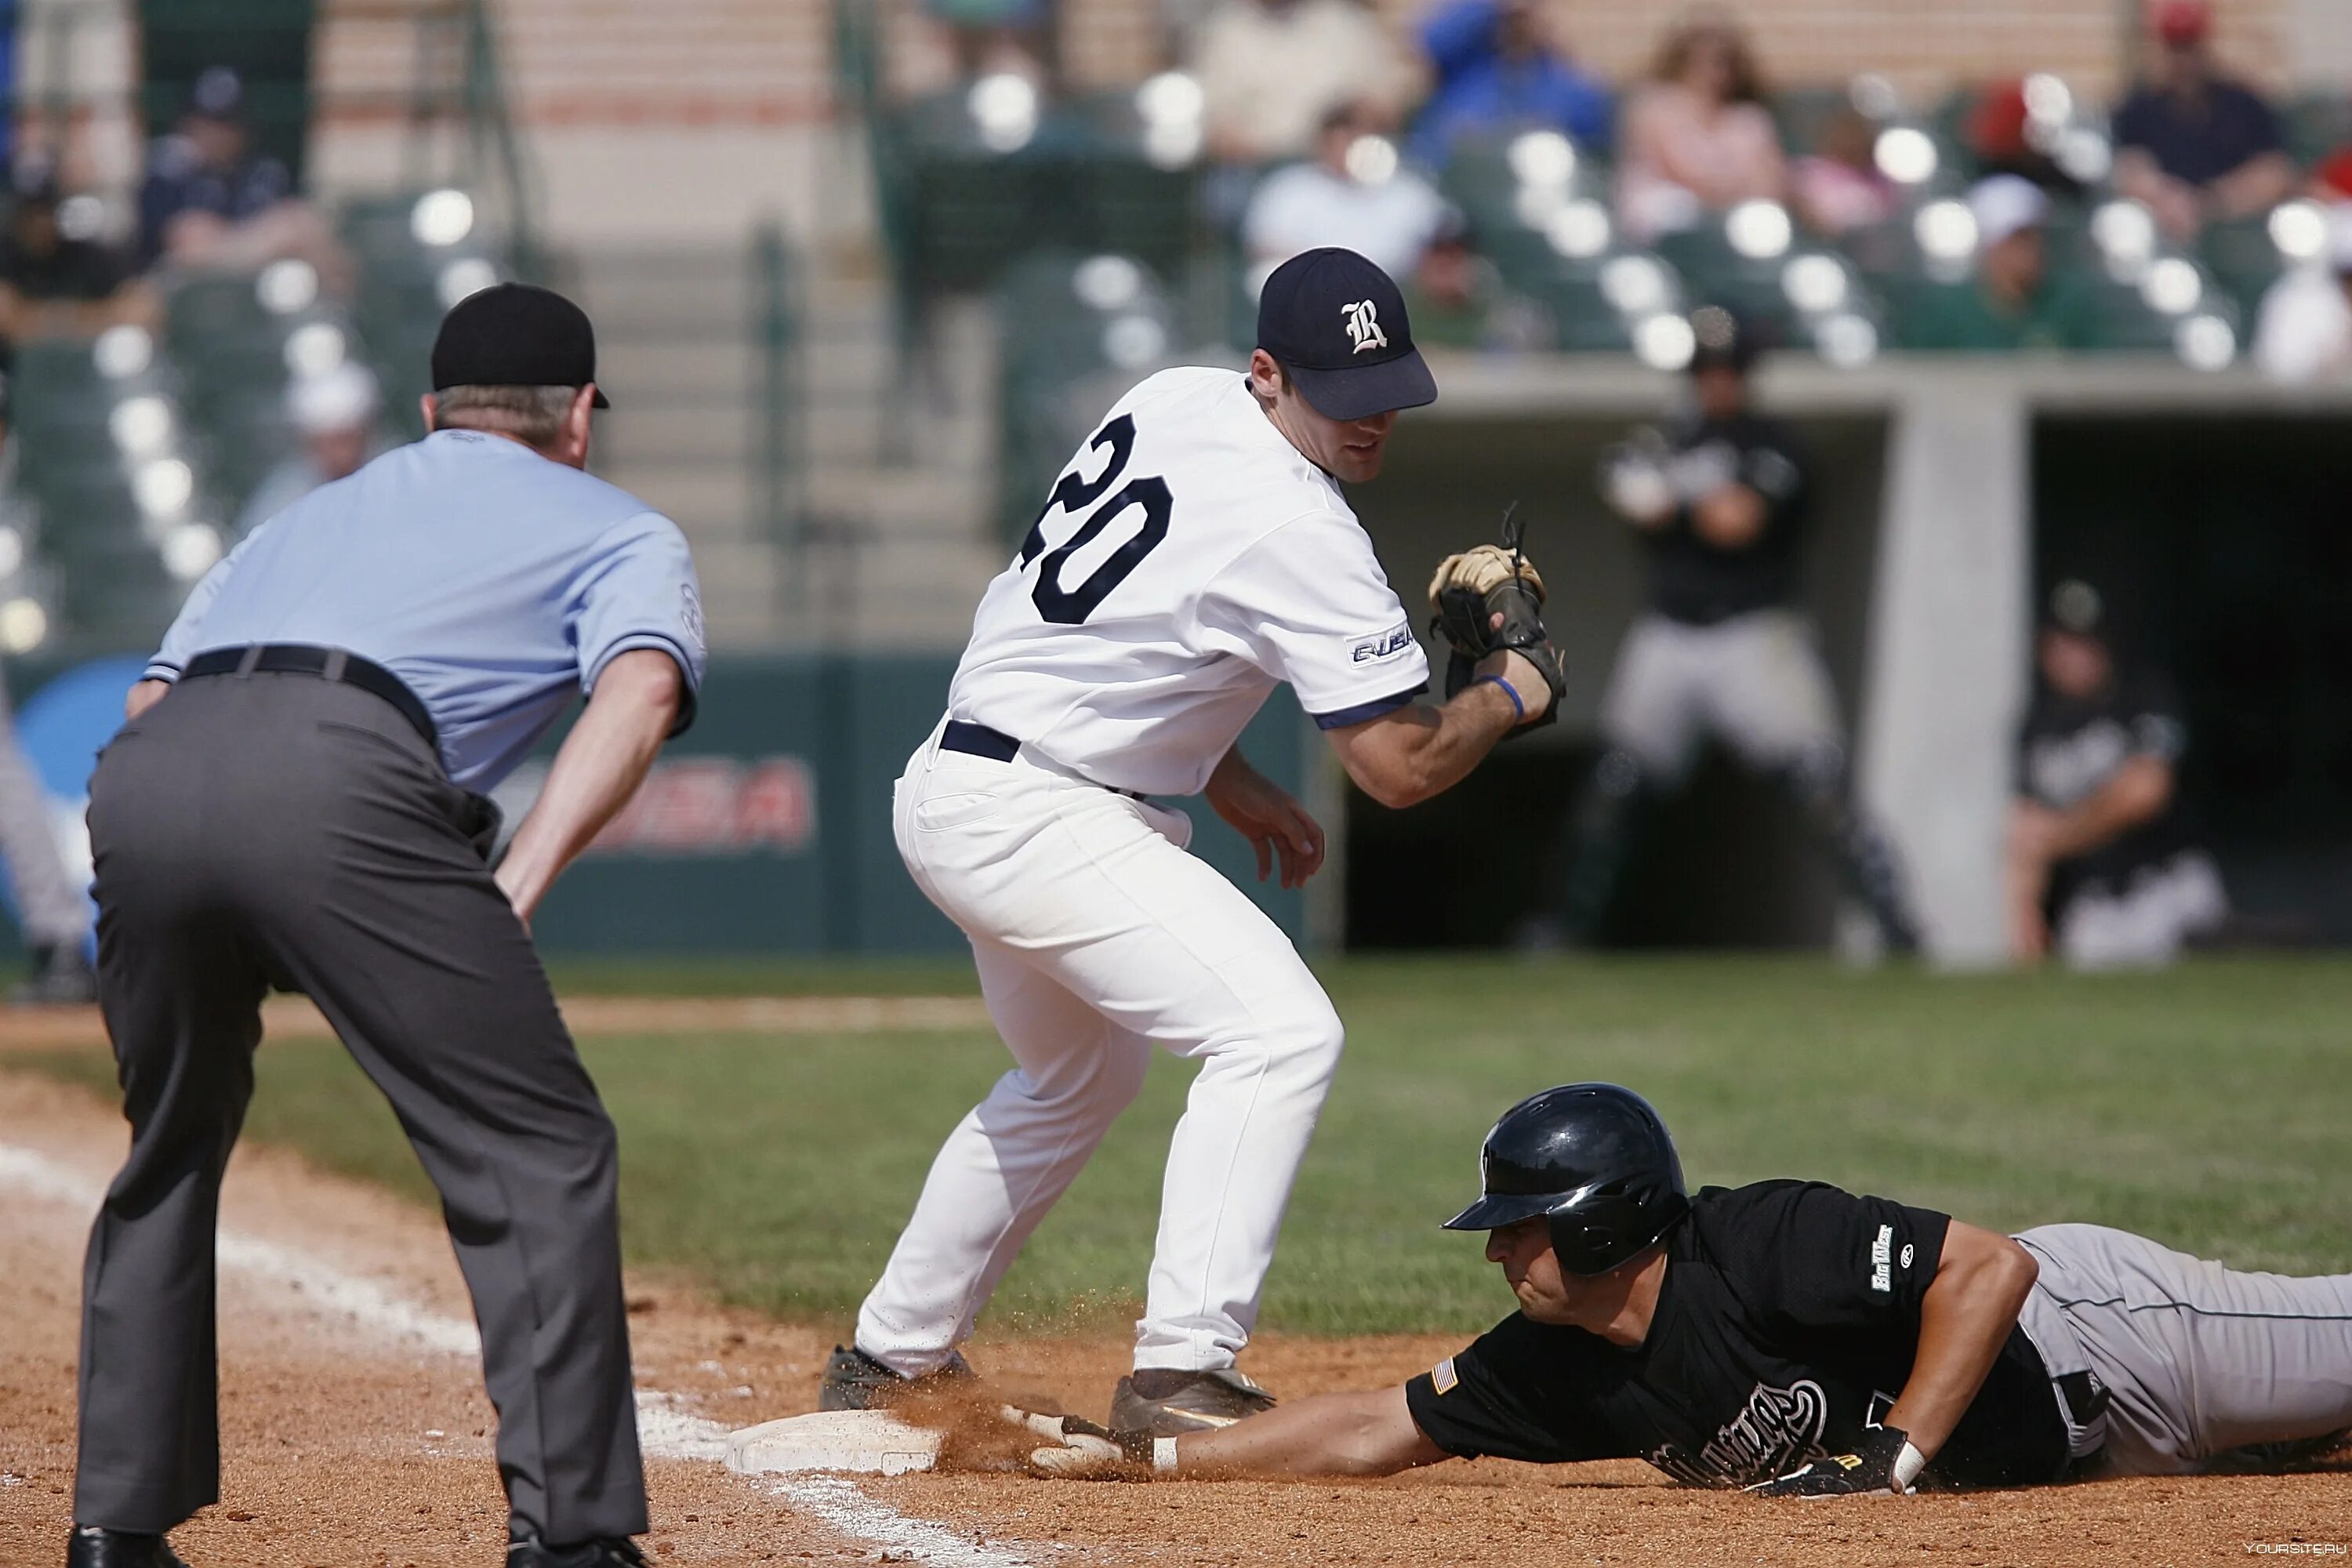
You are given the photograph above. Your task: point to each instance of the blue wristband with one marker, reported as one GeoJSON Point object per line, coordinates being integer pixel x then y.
{"type": "Point", "coordinates": [1519, 708]}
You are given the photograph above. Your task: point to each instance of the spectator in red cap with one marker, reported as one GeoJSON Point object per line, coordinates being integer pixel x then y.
{"type": "Point", "coordinates": [2191, 142]}
{"type": "Point", "coordinates": [1998, 135]}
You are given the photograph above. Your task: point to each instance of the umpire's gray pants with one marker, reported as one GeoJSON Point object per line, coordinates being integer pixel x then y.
{"type": "Point", "coordinates": [280, 829]}
{"type": "Point", "coordinates": [2197, 1359]}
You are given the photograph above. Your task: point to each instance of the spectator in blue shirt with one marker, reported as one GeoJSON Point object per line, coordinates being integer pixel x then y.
{"type": "Point", "coordinates": [210, 200]}
{"type": "Point", "coordinates": [1498, 70]}
{"type": "Point", "coordinates": [2194, 145]}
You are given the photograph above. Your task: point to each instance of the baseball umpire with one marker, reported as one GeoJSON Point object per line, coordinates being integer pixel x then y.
{"type": "Point", "coordinates": [1719, 502]}
{"type": "Point", "coordinates": [295, 802]}
{"type": "Point", "coordinates": [1801, 1342]}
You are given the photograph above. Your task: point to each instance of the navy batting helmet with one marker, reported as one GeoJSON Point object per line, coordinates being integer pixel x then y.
{"type": "Point", "coordinates": [1595, 1161]}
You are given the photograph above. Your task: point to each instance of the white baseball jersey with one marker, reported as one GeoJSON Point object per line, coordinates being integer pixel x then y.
{"type": "Point", "coordinates": [1187, 560]}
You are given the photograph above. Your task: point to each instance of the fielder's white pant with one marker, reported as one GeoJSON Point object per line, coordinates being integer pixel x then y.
{"type": "Point", "coordinates": [1097, 936]}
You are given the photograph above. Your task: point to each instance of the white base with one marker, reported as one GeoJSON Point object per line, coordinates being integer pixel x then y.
{"type": "Point", "coordinates": [864, 1442]}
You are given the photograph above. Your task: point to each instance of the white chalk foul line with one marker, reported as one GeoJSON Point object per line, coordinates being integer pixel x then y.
{"type": "Point", "coordinates": [665, 1430]}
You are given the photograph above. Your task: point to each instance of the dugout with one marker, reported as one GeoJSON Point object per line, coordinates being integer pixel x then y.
{"type": "Point", "coordinates": [2212, 507]}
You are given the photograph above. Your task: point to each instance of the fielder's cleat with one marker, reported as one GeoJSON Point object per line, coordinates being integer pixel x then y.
{"type": "Point", "coordinates": [90, 1546]}
{"type": "Point", "coordinates": [856, 1380]}
{"type": "Point", "coordinates": [613, 1551]}
{"type": "Point", "coordinates": [1160, 1403]}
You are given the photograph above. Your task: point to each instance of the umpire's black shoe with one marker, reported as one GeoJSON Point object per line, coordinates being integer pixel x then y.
{"type": "Point", "coordinates": [615, 1552]}
{"type": "Point", "coordinates": [856, 1380]}
{"type": "Point", "coordinates": [92, 1547]}
{"type": "Point", "coordinates": [1166, 1403]}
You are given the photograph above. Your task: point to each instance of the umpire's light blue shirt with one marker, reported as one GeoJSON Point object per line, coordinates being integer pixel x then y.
{"type": "Point", "coordinates": [489, 579]}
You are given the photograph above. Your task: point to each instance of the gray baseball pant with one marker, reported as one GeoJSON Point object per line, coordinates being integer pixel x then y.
{"type": "Point", "coordinates": [2196, 1359]}
{"type": "Point", "coordinates": [51, 908]}
{"type": "Point", "coordinates": [281, 829]}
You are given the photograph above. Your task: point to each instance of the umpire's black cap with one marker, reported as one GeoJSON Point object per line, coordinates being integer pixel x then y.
{"type": "Point", "coordinates": [1338, 324]}
{"type": "Point", "coordinates": [516, 334]}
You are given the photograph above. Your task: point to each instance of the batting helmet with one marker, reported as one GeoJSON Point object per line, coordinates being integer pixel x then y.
{"type": "Point", "coordinates": [1592, 1158]}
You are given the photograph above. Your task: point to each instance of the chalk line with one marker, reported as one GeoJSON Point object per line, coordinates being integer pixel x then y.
{"type": "Point", "coordinates": [666, 1429]}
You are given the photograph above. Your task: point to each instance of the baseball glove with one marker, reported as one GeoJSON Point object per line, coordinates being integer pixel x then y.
{"type": "Point", "coordinates": [1491, 598]}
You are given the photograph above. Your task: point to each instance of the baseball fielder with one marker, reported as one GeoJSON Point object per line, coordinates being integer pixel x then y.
{"type": "Point", "coordinates": [1198, 551]}
{"type": "Point", "coordinates": [1719, 504]}
{"type": "Point", "coordinates": [1799, 1341]}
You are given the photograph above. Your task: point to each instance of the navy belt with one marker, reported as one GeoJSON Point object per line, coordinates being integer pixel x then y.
{"type": "Point", "coordinates": [980, 741]}
{"type": "Point", "coordinates": [333, 664]}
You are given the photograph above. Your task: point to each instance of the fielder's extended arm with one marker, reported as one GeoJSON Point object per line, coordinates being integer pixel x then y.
{"type": "Point", "coordinates": [1408, 754]}
{"type": "Point", "coordinates": [602, 762]}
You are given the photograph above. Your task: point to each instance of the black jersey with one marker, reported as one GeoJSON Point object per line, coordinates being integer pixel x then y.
{"type": "Point", "coordinates": [1702, 584]}
{"type": "Point", "coordinates": [1784, 1330]}
{"type": "Point", "coordinates": [2071, 747]}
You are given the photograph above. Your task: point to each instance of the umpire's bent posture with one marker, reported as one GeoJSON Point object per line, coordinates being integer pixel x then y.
{"type": "Point", "coordinates": [293, 803]}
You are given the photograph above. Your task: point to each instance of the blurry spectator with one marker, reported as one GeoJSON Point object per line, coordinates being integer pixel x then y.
{"type": "Point", "coordinates": [1499, 69]}
{"type": "Point", "coordinates": [990, 36]}
{"type": "Point", "coordinates": [1272, 70]}
{"type": "Point", "coordinates": [2100, 864]}
{"type": "Point", "coordinates": [2013, 302]}
{"type": "Point", "coordinates": [2331, 180]}
{"type": "Point", "coordinates": [2305, 333]}
{"type": "Point", "coordinates": [1838, 186]}
{"type": "Point", "coordinates": [335, 414]}
{"type": "Point", "coordinates": [210, 200]}
{"type": "Point", "coordinates": [1354, 193]}
{"type": "Point", "coordinates": [1697, 138]}
{"type": "Point", "coordinates": [2191, 143]}
{"type": "Point", "coordinates": [1997, 135]}
{"type": "Point", "coordinates": [53, 285]}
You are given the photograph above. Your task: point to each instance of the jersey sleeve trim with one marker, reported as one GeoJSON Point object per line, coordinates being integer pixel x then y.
{"type": "Point", "coordinates": [162, 670]}
{"type": "Point", "coordinates": [689, 698]}
{"type": "Point", "coordinates": [1420, 1398]}
{"type": "Point", "coordinates": [1361, 711]}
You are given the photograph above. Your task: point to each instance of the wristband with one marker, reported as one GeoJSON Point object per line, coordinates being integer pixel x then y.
{"type": "Point", "coordinates": [1519, 708]}
{"type": "Point", "coordinates": [1163, 1456]}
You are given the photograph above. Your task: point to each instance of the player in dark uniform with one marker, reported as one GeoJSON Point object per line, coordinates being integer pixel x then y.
{"type": "Point", "coordinates": [1719, 500]}
{"type": "Point", "coordinates": [2102, 864]}
{"type": "Point", "coordinates": [1799, 1340]}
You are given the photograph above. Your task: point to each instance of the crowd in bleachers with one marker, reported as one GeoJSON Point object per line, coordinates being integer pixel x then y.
{"type": "Point", "coordinates": [183, 359]}
{"type": "Point", "coordinates": [1473, 152]}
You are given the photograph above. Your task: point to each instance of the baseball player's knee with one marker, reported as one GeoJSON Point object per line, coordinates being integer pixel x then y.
{"type": "Point", "coordinates": [1620, 775]}
{"type": "Point", "coordinates": [1095, 1084]}
{"type": "Point", "coordinates": [1304, 1049]}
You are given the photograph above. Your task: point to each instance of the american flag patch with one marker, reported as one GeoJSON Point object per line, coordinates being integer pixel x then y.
{"type": "Point", "coordinates": [1443, 1377]}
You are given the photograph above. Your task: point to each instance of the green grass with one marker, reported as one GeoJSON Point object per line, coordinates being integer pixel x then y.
{"type": "Point", "coordinates": [2211, 1107]}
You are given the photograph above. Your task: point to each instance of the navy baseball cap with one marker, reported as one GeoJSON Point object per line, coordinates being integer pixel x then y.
{"type": "Point", "coordinates": [516, 334]}
{"type": "Point", "coordinates": [1338, 324]}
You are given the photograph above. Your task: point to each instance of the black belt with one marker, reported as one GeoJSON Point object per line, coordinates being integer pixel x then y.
{"type": "Point", "coordinates": [328, 664]}
{"type": "Point", "coordinates": [980, 741]}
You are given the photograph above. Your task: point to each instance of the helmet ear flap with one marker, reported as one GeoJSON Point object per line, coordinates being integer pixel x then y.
{"type": "Point", "coordinates": [1596, 1232]}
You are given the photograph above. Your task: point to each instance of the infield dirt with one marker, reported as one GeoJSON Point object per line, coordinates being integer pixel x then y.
{"type": "Point", "coordinates": [347, 1447]}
